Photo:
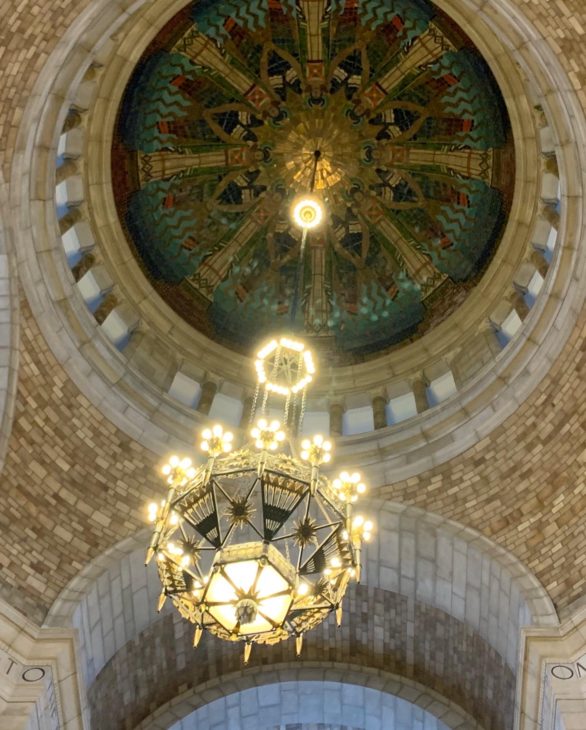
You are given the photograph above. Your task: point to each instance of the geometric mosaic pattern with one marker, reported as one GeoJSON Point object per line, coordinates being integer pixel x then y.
{"type": "Point", "coordinates": [217, 133]}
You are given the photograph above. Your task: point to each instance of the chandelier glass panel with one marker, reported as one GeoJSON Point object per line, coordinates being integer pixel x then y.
{"type": "Point", "coordinates": [257, 544]}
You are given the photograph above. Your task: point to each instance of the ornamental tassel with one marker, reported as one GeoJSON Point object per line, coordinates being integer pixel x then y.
{"type": "Point", "coordinates": [314, 479]}
{"type": "Point", "coordinates": [247, 650]}
{"type": "Point", "coordinates": [339, 615]}
{"type": "Point", "coordinates": [299, 644]}
{"type": "Point", "coordinates": [149, 556]}
{"type": "Point", "coordinates": [197, 636]}
{"type": "Point", "coordinates": [162, 599]}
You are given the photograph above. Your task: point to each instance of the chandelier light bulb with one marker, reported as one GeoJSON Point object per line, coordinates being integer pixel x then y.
{"type": "Point", "coordinates": [216, 441]}
{"type": "Point", "coordinates": [348, 486]}
{"type": "Point", "coordinates": [317, 450]}
{"type": "Point", "coordinates": [307, 211]}
{"type": "Point", "coordinates": [267, 435]}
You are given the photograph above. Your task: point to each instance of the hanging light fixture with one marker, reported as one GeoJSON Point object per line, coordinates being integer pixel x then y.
{"type": "Point", "coordinates": [258, 545]}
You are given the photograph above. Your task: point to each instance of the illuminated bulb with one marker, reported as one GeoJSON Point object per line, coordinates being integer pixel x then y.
{"type": "Point", "coordinates": [280, 435]}
{"type": "Point", "coordinates": [191, 472]}
{"type": "Point", "coordinates": [263, 423]}
{"type": "Point", "coordinates": [335, 562]}
{"type": "Point", "coordinates": [303, 589]}
{"type": "Point", "coordinates": [358, 521]}
{"type": "Point", "coordinates": [174, 461]}
{"type": "Point", "coordinates": [368, 526]}
{"type": "Point", "coordinates": [292, 344]}
{"type": "Point", "coordinates": [355, 478]}
{"type": "Point", "coordinates": [305, 444]}
{"type": "Point", "coordinates": [166, 469]}
{"type": "Point", "coordinates": [305, 455]}
{"type": "Point", "coordinates": [228, 436]}
{"type": "Point", "coordinates": [361, 488]}
{"type": "Point", "coordinates": [217, 430]}
{"type": "Point", "coordinates": [307, 211]}
{"type": "Point", "coordinates": [318, 439]}
{"type": "Point", "coordinates": [327, 446]}
{"type": "Point", "coordinates": [205, 446]}
{"type": "Point", "coordinates": [267, 349]}
{"type": "Point", "coordinates": [185, 560]}
{"type": "Point", "coordinates": [206, 434]}
{"type": "Point", "coordinates": [174, 549]}
{"type": "Point", "coordinates": [153, 509]}
{"type": "Point", "coordinates": [186, 463]}
{"type": "Point", "coordinates": [174, 519]}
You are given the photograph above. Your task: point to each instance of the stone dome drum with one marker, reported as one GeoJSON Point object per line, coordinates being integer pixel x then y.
{"type": "Point", "coordinates": [217, 134]}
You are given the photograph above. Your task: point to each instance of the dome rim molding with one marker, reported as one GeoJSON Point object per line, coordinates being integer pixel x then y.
{"type": "Point", "coordinates": [151, 417]}
{"type": "Point", "coordinates": [404, 688]}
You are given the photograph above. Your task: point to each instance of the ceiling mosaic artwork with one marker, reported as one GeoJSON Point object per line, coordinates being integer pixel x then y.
{"type": "Point", "coordinates": [218, 131]}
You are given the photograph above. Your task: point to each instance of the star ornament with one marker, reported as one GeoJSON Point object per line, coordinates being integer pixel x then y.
{"type": "Point", "coordinates": [285, 366]}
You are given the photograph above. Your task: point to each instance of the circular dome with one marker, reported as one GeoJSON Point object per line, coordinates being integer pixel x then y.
{"type": "Point", "coordinates": [386, 109]}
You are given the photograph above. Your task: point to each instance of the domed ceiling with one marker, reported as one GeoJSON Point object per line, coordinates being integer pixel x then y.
{"type": "Point", "coordinates": [218, 131]}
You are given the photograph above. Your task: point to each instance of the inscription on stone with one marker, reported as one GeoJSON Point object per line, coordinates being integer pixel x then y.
{"type": "Point", "coordinates": [16, 671]}
{"type": "Point", "coordinates": [575, 670]}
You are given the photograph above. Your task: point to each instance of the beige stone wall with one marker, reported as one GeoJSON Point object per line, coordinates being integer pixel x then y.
{"type": "Point", "coordinates": [74, 485]}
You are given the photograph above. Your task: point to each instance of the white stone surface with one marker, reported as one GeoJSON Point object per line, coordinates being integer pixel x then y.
{"type": "Point", "coordinates": [71, 143]}
{"type": "Point", "coordinates": [226, 409]}
{"type": "Point", "coordinates": [358, 420]}
{"type": "Point", "coordinates": [70, 191]}
{"type": "Point", "coordinates": [120, 323]}
{"type": "Point", "coordinates": [186, 390]}
{"type": "Point", "coordinates": [78, 238]}
{"type": "Point", "coordinates": [327, 704]}
{"type": "Point", "coordinates": [401, 408]}
{"type": "Point", "coordinates": [441, 388]}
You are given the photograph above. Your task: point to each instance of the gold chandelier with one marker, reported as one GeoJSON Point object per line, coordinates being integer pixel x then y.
{"type": "Point", "coordinates": [258, 545]}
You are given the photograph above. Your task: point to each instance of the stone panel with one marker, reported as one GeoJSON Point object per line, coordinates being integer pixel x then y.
{"type": "Point", "coordinates": [381, 630]}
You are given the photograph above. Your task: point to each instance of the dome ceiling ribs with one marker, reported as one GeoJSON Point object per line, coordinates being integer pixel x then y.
{"type": "Point", "coordinates": [219, 128]}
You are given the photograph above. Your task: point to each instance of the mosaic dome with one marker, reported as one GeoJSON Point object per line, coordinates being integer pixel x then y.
{"type": "Point", "coordinates": [217, 134]}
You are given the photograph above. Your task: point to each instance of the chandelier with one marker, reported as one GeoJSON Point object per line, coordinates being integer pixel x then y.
{"type": "Point", "coordinates": [257, 544]}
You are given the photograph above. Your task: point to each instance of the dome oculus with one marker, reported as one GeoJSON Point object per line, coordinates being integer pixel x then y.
{"type": "Point", "coordinates": [216, 142]}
